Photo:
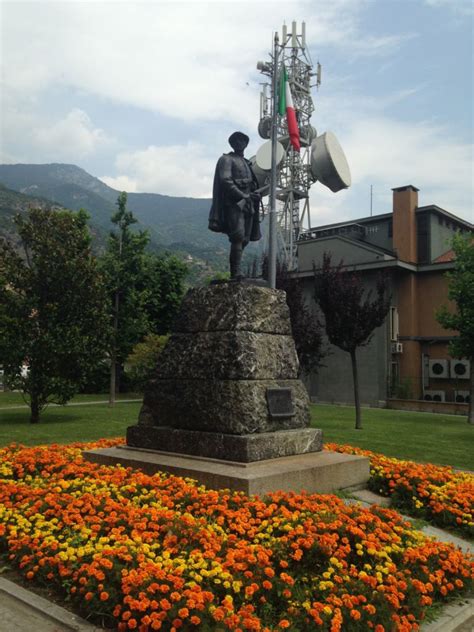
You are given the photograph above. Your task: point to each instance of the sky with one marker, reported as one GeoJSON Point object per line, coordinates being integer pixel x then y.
{"type": "Point", "coordinates": [145, 94]}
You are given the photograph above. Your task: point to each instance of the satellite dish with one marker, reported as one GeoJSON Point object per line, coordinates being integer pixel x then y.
{"type": "Point", "coordinates": [307, 134]}
{"type": "Point", "coordinates": [265, 127]}
{"type": "Point", "coordinates": [263, 157]}
{"type": "Point", "coordinates": [329, 164]}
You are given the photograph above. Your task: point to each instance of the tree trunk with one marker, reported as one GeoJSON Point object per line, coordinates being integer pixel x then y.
{"type": "Point", "coordinates": [113, 369]}
{"type": "Point", "coordinates": [470, 414]}
{"type": "Point", "coordinates": [113, 355]}
{"type": "Point", "coordinates": [35, 410]}
{"type": "Point", "coordinates": [358, 424]}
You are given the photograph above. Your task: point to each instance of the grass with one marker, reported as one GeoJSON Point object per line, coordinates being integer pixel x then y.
{"type": "Point", "coordinates": [65, 424]}
{"type": "Point", "coordinates": [14, 399]}
{"type": "Point", "coordinates": [422, 437]}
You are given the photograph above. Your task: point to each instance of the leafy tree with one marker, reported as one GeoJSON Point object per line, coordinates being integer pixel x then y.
{"type": "Point", "coordinates": [163, 288]}
{"type": "Point", "coordinates": [123, 266]}
{"type": "Point", "coordinates": [350, 313]}
{"type": "Point", "coordinates": [141, 363]}
{"type": "Point", "coordinates": [52, 307]}
{"type": "Point", "coordinates": [461, 292]}
{"type": "Point", "coordinates": [145, 289]}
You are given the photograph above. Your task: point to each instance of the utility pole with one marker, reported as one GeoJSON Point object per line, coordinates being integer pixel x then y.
{"type": "Point", "coordinates": [272, 242]}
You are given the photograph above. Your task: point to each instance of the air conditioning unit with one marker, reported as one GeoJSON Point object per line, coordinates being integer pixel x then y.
{"type": "Point", "coordinates": [396, 347]}
{"type": "Point", "coordinates": [438, 368]}
{"type": "Point", "coordinates": [434, 396]}
{"type": "Point", "coordinates": [461, 369]}
{"type": "Point", "coordinates": [462, 397]}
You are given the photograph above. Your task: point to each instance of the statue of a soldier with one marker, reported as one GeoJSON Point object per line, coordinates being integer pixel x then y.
{"type": "Point", "coordinates": [235, 202]}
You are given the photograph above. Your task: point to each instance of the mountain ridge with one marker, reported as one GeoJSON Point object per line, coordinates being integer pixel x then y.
{"type": "Point", "coordinates": [175, 224]}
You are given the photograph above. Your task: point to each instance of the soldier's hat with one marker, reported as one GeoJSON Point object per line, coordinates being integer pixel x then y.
{"type": "Point", "coordinates": [238, 136]}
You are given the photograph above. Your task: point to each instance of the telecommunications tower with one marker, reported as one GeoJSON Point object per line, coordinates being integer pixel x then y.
{"type": "Point", "coordinates": [320, 158]}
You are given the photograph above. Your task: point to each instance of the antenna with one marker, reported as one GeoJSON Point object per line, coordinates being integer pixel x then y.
{"type": "Point", "coordinates": [371, 199]}
{"type": "Point", "coordinates": [293, 178]}
{"type": "Point", "coordinates": [288, 180]}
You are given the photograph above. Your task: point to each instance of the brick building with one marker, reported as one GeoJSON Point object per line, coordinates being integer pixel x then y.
{"type": "Point", "coordinates": [408, 356]}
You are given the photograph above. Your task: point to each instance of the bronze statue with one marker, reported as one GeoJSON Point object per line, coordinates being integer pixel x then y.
{"type": "Point", "coordinates": [235, 202]}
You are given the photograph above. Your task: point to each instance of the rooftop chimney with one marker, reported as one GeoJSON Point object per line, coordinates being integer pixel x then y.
{"type": "Point", "coordinates": [405, 203]}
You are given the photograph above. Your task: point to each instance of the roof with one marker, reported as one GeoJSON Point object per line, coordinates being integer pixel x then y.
{"type": "Point", "coordinates": [440, 211]}
{"type": "Point", "coordinates": [366, 245]}
{"type": "Point", "coordinates": [446, 256]}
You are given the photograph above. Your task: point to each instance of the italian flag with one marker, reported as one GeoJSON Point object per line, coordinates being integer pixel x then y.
{"type": "Point", "coordinates": [286, 105]}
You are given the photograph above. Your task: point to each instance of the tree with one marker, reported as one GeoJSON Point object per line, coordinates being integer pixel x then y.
{"type": "Point", "coordinates": [123, 265]}
{"type": "Point", "coordinates": [141, 363]}
{"type": "Point", "coordinates": [162, 285]}
{"type": "Point", "coordinates": [461, 292]}
{"type": "Point", "coordinates": [350, 315]}
{"type": "Point", "coordinates": [145, 289]}
{"type": "Point", "coordinates": [53, 317]}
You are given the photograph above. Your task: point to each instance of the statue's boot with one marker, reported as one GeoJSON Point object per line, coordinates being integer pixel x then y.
{"type": "Point", "coordinates": [235, 260]}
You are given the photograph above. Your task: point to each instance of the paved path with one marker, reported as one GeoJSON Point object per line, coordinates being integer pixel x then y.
{"type": "Point", "coordinates": [102, 401]}
{"type": "Point", "coordinates": [24, 611]}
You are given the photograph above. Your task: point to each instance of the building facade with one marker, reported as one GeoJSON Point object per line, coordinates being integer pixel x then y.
{"type": "Point", "coordinates": [408, 355]}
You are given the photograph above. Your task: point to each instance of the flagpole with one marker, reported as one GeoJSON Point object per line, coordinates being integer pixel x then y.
{"type": "Point", "coordinates": [272, 240]}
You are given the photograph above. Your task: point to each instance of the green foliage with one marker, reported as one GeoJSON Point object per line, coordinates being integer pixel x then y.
{"type": "Point", "coordinates": [461, 292]}
{"type": "Point", "coordinates": [218, 276]}
{"type": "Point", "coordinates": [145, 289]}
{"type": "Point", "coordinates": [141, 363]}
{"type": "Point", "coordinates": [123, 269]}
{"type": "Point", "coordinates": [163, 288]}
{"type": "Point", "coordinates": [350, 314]}
{"type": "Point", "coordinates": [52, 307]}
{"type": "Point", "coordinates": [403, 389]}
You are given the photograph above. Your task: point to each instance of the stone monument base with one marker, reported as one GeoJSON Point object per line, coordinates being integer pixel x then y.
{"type": "Point", "coordinates": [259, 446]}
{"type": "Point", "coordinates": [316, 472]}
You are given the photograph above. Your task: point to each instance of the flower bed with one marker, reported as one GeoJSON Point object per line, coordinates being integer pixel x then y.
{"type": "Point", "coordinates": [141, 552]}
{"type": "Point", "coordinates": [441, 495]}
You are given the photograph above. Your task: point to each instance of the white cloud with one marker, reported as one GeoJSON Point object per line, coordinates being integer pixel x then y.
{"type": "Point", "coordinates": [460, 7]}
{"type": "Point", "coordinates": [120, 183]}
{"type": "Point", "coordinates": [192, 61]}
{"type": "Point", "coordinates": [179, 170]}
{"type": "Point", "coordinates": [72, 136]}
{"type": "Point", "coordinates": [392, 153]}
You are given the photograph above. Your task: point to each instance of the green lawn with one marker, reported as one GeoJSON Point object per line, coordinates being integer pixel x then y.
{"type": "Point", "coordinates": [441, 439]}
{"type": "Point", "coordinates": [423, 437]}
{"type": "Point", "coordinates": [65, 424]}
{"type": "Point", "coordinates": [9, 398]}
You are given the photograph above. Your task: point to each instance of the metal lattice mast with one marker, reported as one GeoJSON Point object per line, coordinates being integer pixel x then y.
{"type": "Point", "coordinates": [293, 174]}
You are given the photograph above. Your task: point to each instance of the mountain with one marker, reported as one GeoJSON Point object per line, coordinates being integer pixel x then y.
{"type": "Point", "coordinates": [13, 202]}
{"type": "Point", "coordinates": [176, 224]}
{"type": "Point", "coordinates": [176, 217]}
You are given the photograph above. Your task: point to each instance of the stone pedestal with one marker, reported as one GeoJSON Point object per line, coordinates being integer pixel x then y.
{"type": "Point", "coordinates": [226, 385]}
{"type": "Point", "coordinates": [225, 406]}
{"type": "Point", "coordinates": [317, 472]}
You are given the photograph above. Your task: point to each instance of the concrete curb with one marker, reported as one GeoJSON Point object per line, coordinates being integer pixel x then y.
{"type": "Point", "coordinates": [458, 617]}
{"type": "Point", "coordinates": [23, 611]}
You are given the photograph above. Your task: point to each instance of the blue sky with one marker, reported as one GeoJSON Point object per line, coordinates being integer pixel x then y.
{"type": "Point", "coordinates": [145, 94]}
